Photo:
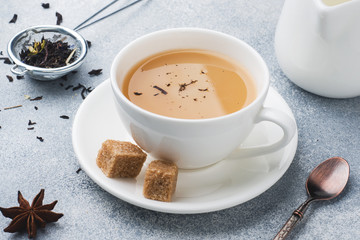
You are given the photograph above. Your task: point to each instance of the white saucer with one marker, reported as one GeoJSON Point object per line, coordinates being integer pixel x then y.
{"type": "Point", "coordinates": [223, 185]}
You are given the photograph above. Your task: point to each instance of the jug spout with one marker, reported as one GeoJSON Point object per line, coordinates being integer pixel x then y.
{"type": "Point", "coordinates": [338, 18]}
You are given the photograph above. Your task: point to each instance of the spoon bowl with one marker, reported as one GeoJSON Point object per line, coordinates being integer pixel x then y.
{"type": "Point", "coordinates": [328, 179]}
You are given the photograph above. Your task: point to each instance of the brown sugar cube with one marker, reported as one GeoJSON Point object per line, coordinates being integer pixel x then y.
{"type": "Point", "coordinates": [160, 180]}
{"type": "Point", "coordinates": [120, 159]}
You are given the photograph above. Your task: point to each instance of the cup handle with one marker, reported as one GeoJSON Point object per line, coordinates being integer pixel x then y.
{"type": "Point", "coordinates": [281, 119]}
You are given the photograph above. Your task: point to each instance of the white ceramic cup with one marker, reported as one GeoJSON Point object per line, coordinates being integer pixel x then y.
{"type": "Point", "coordinates": [195, 143]}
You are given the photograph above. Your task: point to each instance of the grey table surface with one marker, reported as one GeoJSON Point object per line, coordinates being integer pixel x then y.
{"type": "Point", "coordinates": [327, 127]}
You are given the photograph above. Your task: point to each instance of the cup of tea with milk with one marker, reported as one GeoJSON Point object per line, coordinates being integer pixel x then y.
{"type": "Point", "coordinates": [193, 95]}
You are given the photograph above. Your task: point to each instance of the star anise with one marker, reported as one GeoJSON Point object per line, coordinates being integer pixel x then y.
{"type": "Point", "coordinates": [30, 217]}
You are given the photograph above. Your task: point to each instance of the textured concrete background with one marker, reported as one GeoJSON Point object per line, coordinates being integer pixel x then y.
{"type": "Point", "coordinates": [327, 127]}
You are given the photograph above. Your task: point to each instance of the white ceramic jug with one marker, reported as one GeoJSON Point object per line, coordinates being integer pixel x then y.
{"type": "Point", "coordinates": [317, 43]}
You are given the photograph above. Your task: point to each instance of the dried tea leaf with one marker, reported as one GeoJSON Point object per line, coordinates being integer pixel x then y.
{"type": "Point", "coordinates": [86, 91]}
{"type": "Point", "coordinates": [64, 117]}
{"type": "Point", "coordinates": [78, 87]}
{"type": "Point", "coordinates": [14, 18]}
{"type": "Point", "coordinates": [10, 78]}
{"type": "Point", "coordinates": [88, 43]}
{"type": "Point", "coordinates": [83, 93]}
{"type": "Point", "coordinates": [30, 123]}
{"type": "Point", "coordinates": [36, 99]}
{"type": "Point", "coordinates": [68, 87]}
{"type": "Point", "coordinates": [6, 60]}
{"type": "Point", "coordinates": [45, 5]}
{"type": "Point", "coordinates": [40, 139]}
{"type": "Point", "coordinates": [95, 72]}
{"type": "Point", "coordinates": [59, 18]}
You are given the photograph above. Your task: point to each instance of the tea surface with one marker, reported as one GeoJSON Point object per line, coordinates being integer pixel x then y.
{"type": "Point", "coordinates": [334, 2]}
{"type": "Point", "coordinates": [189, 84]}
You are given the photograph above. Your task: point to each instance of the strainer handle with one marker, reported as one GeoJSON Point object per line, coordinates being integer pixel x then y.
{"type": "Point", "coordinates": [15, 70]}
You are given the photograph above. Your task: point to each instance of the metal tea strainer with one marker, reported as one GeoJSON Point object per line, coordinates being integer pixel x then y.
{"type": "Point", "coordinates": [24, 39]}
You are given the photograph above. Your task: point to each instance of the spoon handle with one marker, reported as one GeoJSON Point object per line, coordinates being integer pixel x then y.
{"type": "Point", "coordinates": [292, 221]}
{"type": "Point", "coordinates": [288, 226]}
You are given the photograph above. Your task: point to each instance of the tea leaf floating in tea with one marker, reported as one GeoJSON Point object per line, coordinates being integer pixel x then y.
{"type": "Point", "coordinates": [184, 85]}
{"type": "Point", "coordinates": [160, 89]}
{"type": "Point", "coordinates": [203, 90]}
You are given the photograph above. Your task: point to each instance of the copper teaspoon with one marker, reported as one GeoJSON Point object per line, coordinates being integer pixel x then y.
{"type": "Point", "coordinates": [325, 182]}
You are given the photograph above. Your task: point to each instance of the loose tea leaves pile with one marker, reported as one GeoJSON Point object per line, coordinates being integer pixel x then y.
{"type": "Point", "coordinates": [48, 54]}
